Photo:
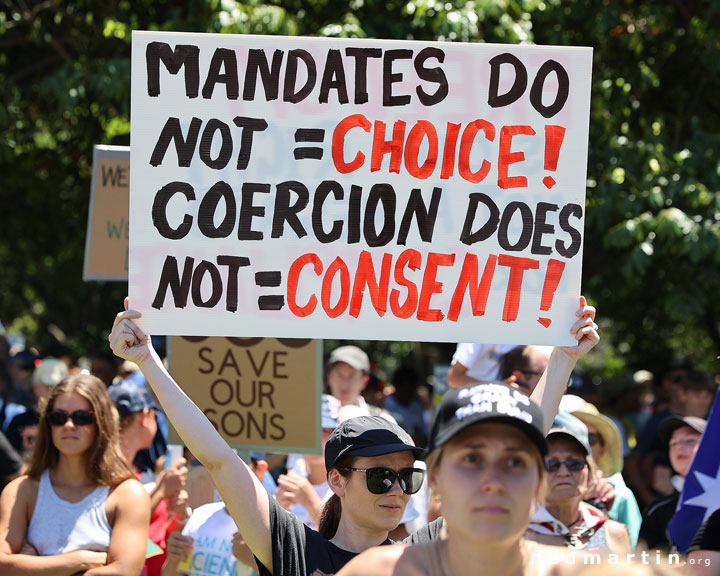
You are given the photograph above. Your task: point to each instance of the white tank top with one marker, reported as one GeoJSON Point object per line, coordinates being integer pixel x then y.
{"type": "Point", "coordinates": [58, 526]}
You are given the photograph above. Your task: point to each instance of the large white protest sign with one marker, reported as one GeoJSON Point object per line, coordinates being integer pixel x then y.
{"type": "Point", "coordinates": [369, 189]}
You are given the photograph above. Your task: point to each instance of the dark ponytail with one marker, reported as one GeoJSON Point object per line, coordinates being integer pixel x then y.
{"type": "Point", "coordinates": [331, 512]}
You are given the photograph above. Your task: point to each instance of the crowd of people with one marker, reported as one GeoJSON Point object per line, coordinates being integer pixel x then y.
{"type": "Point", "coordinates": [520, 469]}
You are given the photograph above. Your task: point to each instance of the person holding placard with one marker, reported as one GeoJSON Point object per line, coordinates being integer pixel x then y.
{"type": "Point", "coordinates": [368, 460]}
{"type": "Point", "coordinates": [363, 458]}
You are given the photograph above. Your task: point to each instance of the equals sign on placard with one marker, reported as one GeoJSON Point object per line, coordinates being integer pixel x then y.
{"type": "Point", "coordinates": [269, 280]}
{"type": "Point", "coordinates": [309, 135]}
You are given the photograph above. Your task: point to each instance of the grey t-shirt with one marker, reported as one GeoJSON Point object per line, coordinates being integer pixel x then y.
{"type": "Point", "coordinates": [427, 533]}
{"type": "Point", "coordinates": [301, 551]}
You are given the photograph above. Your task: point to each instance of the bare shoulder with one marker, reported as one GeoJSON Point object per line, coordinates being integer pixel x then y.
{"type": "Point", "coordinates": [395, 560]}
{"type": "Point", "coordinates": [128, 493]}
{"type": "Point", "coordinates": [22, 489]}
{"type": "Point", "coordinates": [17, 505]}
{"type": "Point", "coordinates": [128, 488]}
{"type": "Point", "coordinates": [414, 559]}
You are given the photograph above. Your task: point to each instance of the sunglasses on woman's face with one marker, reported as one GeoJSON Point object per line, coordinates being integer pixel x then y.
{"type": "Point", "coordinates": [79, 417]}
{"type": "Point", "coordinates": [573, 464]}
{"type": "Point", "coordinates": [380, 479]}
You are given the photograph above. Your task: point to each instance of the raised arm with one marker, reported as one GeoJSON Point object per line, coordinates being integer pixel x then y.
{"type": "Point", "coordinates": [554, 381]}
{"type": "Point", "coordinates": [242, 492]}
{"type": "Point", "coordinates": [14, 508]}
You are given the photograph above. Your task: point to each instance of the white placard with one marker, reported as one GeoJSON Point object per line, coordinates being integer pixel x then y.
{"type": "Point", "coordinates": [366, 189]}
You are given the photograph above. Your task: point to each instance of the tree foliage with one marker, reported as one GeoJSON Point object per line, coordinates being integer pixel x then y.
{"type": "Point", "coordinates": [652, 242]}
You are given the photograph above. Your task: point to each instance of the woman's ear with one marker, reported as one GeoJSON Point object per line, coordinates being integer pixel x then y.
{"type": "Point", "coordinates": [337, 482]}
{"type": "Point", "coordinates": [431, 480]}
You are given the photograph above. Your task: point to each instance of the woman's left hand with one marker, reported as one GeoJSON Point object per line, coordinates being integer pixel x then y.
{"type": "Point", "coordinates": [585, 331]}
{"type": "Point", "coordinates": [127, 340]}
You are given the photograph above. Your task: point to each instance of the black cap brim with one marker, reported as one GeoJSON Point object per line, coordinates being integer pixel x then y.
{"type": "Point", "coordinates": [377, 450]}
{"type": "Point", "coordinates": [533, 433]}
{"type": "Point", "coordinates": [381, 450]}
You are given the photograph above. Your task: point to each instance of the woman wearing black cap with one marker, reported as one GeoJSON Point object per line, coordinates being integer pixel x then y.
{"type": "Point", "coordinates": [369, 463]}
{"type": "Point", "coordinates": [486, 466]}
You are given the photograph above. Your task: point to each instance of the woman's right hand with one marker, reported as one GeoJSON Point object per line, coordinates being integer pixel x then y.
{"type": "Point", "coordinates": [127, 340]}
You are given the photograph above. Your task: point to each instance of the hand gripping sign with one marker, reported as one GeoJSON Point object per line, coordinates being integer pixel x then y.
{"type": "Point", "coordinates": [369, 189]}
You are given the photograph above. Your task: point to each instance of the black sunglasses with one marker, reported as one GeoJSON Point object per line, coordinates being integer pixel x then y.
{"type": "Point", "coordinates": [79, 417]}
{"type": "Point", "coordinates": [380, 479]}
{"type": "Point", "coordinates": [573, 464]}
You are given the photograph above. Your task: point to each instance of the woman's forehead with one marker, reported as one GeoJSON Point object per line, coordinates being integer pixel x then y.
{"type": "Point", "coordinates": [71, 401]}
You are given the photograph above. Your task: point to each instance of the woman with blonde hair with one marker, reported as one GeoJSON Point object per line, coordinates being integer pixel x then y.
{"type": "Point", "coordinates": [78, 507]}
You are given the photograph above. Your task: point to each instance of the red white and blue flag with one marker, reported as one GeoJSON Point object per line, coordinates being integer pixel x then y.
{"type": "Point", "coordinates": [701, 494]}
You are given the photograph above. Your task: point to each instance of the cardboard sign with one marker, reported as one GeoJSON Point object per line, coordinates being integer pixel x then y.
{"type": "Point", "coordinates": [366, 189]}
{"type": "Point", "coordinates": [106, 244]}
{"type": "Point", "coordinates": [261, 394]}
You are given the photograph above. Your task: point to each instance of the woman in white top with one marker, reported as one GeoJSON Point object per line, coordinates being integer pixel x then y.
{"type": "Point", "coordinates": [79, 507]}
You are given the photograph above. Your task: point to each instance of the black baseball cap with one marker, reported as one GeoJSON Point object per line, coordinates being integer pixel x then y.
{"type": "Point", "coordinates": [488, 402]}
{"type": "Point", "coordinates": [367, 436]}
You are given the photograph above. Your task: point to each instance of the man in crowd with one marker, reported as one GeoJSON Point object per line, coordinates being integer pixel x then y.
{"type": "Point", "coordinates": [524, 365]}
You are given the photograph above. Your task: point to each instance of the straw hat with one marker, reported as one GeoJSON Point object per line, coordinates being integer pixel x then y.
{"type": "Point", "coordinates": [612, 461]}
